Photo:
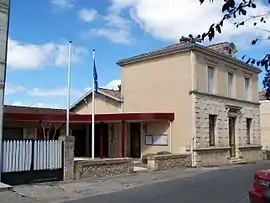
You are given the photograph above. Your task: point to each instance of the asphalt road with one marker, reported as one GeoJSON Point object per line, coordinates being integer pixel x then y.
{"type": "Point", "coordinates": [222, 186]}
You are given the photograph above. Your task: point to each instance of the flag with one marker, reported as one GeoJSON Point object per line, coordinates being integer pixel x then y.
{"type": "Point", "coordinates": [95, 76]}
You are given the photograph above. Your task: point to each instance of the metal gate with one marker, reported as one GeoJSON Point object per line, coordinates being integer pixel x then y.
{"type": "Point", "coordinates": [31, 161]}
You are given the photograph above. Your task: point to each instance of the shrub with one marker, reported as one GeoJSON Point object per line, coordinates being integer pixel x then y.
{"type": "Point", "coordinates": [163, 153]}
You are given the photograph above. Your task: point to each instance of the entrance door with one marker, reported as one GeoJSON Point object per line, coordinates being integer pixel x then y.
{"type": "Point", "coordinates": [135, 140]}
{"type": "Point", "coordinates": [101, 140]}
{"type": "Point", "coordinates": [80, 148]}
{"type": "Point", "coordinates": [232, 136]}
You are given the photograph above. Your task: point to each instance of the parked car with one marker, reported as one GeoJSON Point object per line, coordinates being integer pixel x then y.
{"type": "Point", "coordinates": [260, 190]}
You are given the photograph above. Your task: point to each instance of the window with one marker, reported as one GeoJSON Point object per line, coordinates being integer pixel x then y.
{"type": "Point", "coordinates": [247, 81]}
{"type": "Point", "coordinates": [159, 140]}
{"type": "Point", "coordinates": [212, 129]}
{"type": "Point", "coordinates": [210, 79]}
{"type": "Point", "coordinates": [230, 84]}
{"type": "Point", "coordinates": [248, 129]}
{"type": "Point", "coordinates": [13, 133]}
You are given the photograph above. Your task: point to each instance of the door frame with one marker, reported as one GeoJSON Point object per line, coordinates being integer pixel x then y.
{"type": "Point", "coordinates": [137, 126]}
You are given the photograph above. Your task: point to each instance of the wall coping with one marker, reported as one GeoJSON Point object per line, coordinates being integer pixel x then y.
{"type": "Point", "coordinates": [103, 161]}
{"type": "Point", "coordinates": [167, 156]}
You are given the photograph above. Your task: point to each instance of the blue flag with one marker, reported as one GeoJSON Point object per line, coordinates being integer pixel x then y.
{"type": "Point", "coordinates": [95, 76]}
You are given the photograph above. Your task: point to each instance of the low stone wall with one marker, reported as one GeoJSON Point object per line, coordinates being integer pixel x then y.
{"type": "Point", "coordinates": [265, 154]}
{"type": "Point", "coordinates": [251, 153]}
{"type": "Point", "coordinates": [102, 168]}
{"type": "Point", "coordinates": [212, 156]}
{"type": "Point", "coordinates": [168, 161]}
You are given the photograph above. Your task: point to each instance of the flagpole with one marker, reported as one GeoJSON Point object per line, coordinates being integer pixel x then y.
{"type": "Point", "coordinates": [93, 108]}
{"type": "Point", "coordinates": [68, 88]}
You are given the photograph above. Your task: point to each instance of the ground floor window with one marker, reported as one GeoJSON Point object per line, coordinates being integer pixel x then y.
{"type": "Point", "coordinates": [212, 129]}
{"type": "Point", "coordinates": [160, 140]}
{"type": "Point", "coordinates": [248, 130]}
{"type": "Point", "coordinates": [12, 133]}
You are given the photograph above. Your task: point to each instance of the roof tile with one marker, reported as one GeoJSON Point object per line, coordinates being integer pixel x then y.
{"type": "Point", "coordinates": [34, 110]}
{"type": "Point", "coordinates": [114, 93]}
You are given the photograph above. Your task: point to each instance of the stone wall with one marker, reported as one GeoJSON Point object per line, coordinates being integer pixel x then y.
{"type": "Point", "coordinates": [212, 156]}
{"type": "Point", "coordinates": [251, 153]}
{"type": "Point", "coordinates": [102, 167]}
{"type": "Point", "coordinates": [168, 161]}
{"type": "Point", "coordinates": [206, 104]}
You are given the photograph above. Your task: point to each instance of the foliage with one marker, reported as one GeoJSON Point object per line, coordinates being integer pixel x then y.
{"type": "Point", "coordinates": [47, 125]}
{"type": "Point", "coordinates": [163, 153]}
{"type": "Point", "coordinates": [233, 10]}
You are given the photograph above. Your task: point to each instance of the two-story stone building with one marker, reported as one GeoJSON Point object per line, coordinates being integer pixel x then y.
{"type": "Point", "coordinates": [213, 95]}
{"type": "Point", "coordinates": [184, 98]}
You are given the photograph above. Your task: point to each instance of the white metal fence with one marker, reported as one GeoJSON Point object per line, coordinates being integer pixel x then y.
{"type": "Point", "coordinates": [27, 155]}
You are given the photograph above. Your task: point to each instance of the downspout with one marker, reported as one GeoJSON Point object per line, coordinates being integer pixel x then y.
{"type": "Point", "coordinates": [170, 131]}
{"type": "Point", "coordinates": [193, 131]}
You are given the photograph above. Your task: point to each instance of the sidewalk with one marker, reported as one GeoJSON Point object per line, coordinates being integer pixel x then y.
{"type": "Point", "coordinates": [58, 192]}
{"type": "Point", "coordinates": [13, 197]}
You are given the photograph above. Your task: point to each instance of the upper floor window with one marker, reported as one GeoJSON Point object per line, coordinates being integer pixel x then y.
{"type": "Point", "coordinates": [210, 79]}
{"type": "Point", "coordinates": [230, 84]}
{"type": "Point", "coordinates": [247, 88]}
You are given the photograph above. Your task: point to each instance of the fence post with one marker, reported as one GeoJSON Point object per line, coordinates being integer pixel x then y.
{"type": "Point", "coordinates": [69, 144]}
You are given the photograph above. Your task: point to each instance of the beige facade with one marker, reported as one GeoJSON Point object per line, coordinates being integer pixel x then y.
{"type": "Point", "coordinates": [176, 80]}
{"type": "Point", "coordinates": [102, 105]}
{"type": "Point", "coordinates": [106, 101]}
{"type": "Point", "coordinates": [265, 126]}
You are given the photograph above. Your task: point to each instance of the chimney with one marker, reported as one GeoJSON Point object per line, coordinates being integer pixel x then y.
{"type": "Point", "coordinates": [224, 48]}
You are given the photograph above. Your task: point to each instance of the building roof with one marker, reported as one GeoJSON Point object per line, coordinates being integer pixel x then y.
{"type": "Point", "coordinates": [28, 109]}
{"type": "Point", "coordinates": [214, 50]}
{"type": "Point", "coordinates": [109, 93]}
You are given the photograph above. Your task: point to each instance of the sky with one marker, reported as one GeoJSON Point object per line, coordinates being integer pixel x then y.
{"type": "Point", "coordinates": [40, 31]}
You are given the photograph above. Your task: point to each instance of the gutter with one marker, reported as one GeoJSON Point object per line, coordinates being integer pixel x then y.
{"type": "Point", "coordinates": [170, 131]}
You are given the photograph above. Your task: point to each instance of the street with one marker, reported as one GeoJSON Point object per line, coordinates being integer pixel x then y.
{"type": "Point", "coordinates": [222, 186]}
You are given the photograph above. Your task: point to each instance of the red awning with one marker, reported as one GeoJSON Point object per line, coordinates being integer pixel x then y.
{"type": "Point", "coordinates": [88, 117]}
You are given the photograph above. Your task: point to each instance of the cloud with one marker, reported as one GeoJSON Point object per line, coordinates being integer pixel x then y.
{"type": "Point", "coordinates": [53, 92]}
{"type": "Point", "coordinates": [87, 15]}
{"type": "Point", "coordinates": [63, 3]}
{"type": "Point", "coordinates": [169, 20]}
{"type": "Point", "coordinates": [12, 89]}
{"type": "Point", "coordinates": [114, 35]}
{"type": "Point", "coordinates": [39, 104]}
{"type": "Point", "coordinates": [115, 27]}
{"type": "Point", "coordinates": [113, 84]}
{"type": "Point", "coordinates": [48, 54]}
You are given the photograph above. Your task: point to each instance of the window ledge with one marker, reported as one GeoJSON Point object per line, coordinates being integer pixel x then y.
{"type": "Point", "coordinates": [211, 148]}
{"type": "Point", "coordinates": [250, 146]}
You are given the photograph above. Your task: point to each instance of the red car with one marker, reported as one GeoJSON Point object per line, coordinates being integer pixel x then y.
{"type": "Point", "coordinates": [260, 190]}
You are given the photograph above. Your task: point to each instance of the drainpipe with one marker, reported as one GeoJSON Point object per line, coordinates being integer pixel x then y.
{"type": "Point", "coordinates": [170, 131]}
{"type": "Point", "coordinates": [193, 161]}
{"type": "Point", "coordinates": [193, 131]}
